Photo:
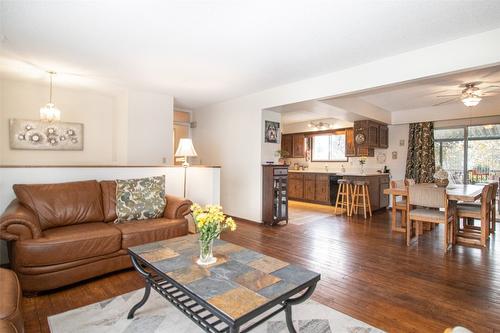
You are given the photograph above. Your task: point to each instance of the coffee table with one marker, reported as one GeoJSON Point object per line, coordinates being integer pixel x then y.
{"type": "Point", "coordinates": [240, 291]}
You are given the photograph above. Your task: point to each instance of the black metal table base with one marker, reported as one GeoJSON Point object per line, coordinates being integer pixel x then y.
{"type": "Point", "coordinates": [203, 317]}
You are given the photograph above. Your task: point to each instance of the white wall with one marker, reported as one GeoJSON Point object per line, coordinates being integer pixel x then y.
{"type": "Point", "coordinates": [228, 133]}
{"type": "Point", "coordinates": [150, 128]}
{"type": "Point", "coordinates": [23, 99]}
{"type": "Point", "coordinates": [121, 128]}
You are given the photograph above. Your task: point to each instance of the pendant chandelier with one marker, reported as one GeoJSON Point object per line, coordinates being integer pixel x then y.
{"type": "Point", "coordinates": [49, 112]}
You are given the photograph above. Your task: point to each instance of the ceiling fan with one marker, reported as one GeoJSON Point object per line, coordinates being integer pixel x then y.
{"type": "Point", "coordinates": [471, 93]}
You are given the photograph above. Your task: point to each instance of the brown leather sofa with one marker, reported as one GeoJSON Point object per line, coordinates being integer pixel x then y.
{"type": "Point", "coordinates": [63, 233]}
{"type": "Point", "coordinates": [11, 319]}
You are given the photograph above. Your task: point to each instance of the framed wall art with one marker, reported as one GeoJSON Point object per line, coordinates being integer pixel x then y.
{"type": "Point", "coordinates": [40, 135]}
{"type": "Point", "coordinates": [271, 131]}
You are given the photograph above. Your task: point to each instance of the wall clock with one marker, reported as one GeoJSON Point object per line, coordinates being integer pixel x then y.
{"type": "Point", "coordinates": [360, 138]}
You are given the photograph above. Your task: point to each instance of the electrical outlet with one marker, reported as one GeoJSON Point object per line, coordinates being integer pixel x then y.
{"type": "Point", "coordinates": [164, 160]}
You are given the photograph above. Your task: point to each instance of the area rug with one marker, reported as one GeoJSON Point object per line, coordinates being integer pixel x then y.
{"type": "Point", "coordinates": [158, 315]}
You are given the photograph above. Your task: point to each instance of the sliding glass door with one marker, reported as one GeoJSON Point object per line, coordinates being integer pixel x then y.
{"type": "Point", "coordinates": [470, 154]}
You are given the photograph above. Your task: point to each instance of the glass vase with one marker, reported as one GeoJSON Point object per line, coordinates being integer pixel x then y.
{"type": "Point", "coordinates": [206, 255]}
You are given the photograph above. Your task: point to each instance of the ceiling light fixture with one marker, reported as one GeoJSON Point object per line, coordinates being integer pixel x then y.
{"type": "Point", "coordinates": [471, 99]}
{"type": "Point", "coordinates": [49, 112]}
{"type": "Point", "coordinates": [319, 125]}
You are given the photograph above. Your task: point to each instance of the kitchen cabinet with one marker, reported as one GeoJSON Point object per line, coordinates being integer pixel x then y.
{"type": "Point", "coordinates": [383, 136]}
{"type": "Point", "coordinates": [296, 186]}
{"type": "Point", "coordinates": [350, 147]}
{"type": "Point", "coordinates": [322, 189]}
{"type": "Point", "coordinates": [287, 144]}
{"type": "Point", "coordinates": [365, 152]}
{"type": "Point", "coordinates": [310, 187]}
{"type": "Point", "coordinates": [372, 134]}
{"type": "Point", "coordinates": [298, 145]}
{"type": "Point", "coordinates": [369, 135]}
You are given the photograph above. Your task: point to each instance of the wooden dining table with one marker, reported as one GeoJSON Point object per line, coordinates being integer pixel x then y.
{"type": "Point", "coordinates": [454, 192]}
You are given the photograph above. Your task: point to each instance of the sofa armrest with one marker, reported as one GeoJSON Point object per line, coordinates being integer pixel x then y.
{"type": "Point", "coordinates": [176, 207]}
{"type": "Point", "coordinates": [19, 222]}
{"type": "Point", "coordinates": [7, 327]}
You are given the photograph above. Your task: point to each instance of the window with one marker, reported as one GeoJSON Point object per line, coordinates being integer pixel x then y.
{"type": "Point", "coordinates": [329, 147]}
{"type": "Point", "coordinates": [470, 154]}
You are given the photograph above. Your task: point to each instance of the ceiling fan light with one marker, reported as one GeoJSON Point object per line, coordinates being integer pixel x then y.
{"type": "Point", "coordinates": [470, 101]}
{"type": "Point", "coordinates": [50, 113]}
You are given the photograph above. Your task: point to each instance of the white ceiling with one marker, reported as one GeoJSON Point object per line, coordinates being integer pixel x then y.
{"type": "Point", "coordinates": [203, 52]}
{"type": "Point", "coordinates": [412, 97]}
{"type": "Point", "coordinates": [424, 93]}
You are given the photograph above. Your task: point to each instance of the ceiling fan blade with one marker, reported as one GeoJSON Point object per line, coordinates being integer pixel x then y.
{"type": "Point", "coordinates": [454, 95]}
{"type": "Point", "coordinates": [490, 89]}
{"type": "Point", "coordinates": [444, 102]}
{"type": "Point", "coordinates": [491, 73]}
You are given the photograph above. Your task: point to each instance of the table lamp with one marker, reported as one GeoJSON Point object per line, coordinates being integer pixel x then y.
{"type": "Point", "coordinates": [185, 149]}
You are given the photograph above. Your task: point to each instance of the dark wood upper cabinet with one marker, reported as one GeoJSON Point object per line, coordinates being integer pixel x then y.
{"type": "Point", "coordinates": [287, 144]}
{"type": "Point", "coordinates": [350, 147]}
{"type": "Point", "coordinates": [372, 135]}
{"type": "Point", "coordinates": [369, 135]}
{"type": "Point", "coordinates": [298, 145]}
{"type": "Point", "coordinates": [383, 136]}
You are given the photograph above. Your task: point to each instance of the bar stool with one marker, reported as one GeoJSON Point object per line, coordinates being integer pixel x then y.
{"type": "Point", "coordinates": [344, 196]}
{"type": "Point", "coordinates": [361, 191]}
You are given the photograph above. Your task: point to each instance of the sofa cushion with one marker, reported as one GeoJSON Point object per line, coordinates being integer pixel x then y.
{"type": "Point", "coordinates": [140, 199]}
{"type": "Point", "coordinates": [62, 204]}
{"type": "Point", "coordinates": [108, 188]}
{"type": "Point", "coordinates": [147, 231]}
{"type": "Point", "coordinates": [69, 243]}
{"type": "Point", "coordinates": [10, 305]}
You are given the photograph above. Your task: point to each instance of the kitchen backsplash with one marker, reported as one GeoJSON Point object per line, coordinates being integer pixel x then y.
{"type": "Point", "coordinates": [352, 165]}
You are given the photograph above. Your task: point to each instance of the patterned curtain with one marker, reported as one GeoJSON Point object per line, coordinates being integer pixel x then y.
{"type": "Point", "coordinates": [420, 162]}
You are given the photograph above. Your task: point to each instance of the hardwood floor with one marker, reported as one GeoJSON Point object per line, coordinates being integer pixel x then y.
{"type": "Point", "coordinates": [367, 272]}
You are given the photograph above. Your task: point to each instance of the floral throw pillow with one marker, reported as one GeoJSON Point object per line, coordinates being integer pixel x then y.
{"type": "Point", "coordinates": [140, 199]}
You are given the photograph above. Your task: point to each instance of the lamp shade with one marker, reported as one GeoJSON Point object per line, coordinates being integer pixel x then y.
{"type": "Point", "coordinates": [185, 148]}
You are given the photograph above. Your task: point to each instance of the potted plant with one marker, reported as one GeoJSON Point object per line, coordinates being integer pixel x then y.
{"type": "Point", "coordinates": [210, 222]}
{"type": "Point", "coordinates": [282, 154]}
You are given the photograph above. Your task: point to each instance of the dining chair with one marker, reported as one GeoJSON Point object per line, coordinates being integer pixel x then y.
{"type": "Point", "coordinates": [399, 204]}
{"type": "Point", "coordinates": [469, 233]}
{"type": "Point", "coordinates": [427, 203]}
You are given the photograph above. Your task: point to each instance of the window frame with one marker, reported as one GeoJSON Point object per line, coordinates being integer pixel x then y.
{"type": "Point", "coordinates": [329, 134]}
{"type": "Point", "coordinates": [466, 140]}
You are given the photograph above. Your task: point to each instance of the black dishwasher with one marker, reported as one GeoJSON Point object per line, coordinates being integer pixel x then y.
{"type": "Point", "coordinates": [334, 186]}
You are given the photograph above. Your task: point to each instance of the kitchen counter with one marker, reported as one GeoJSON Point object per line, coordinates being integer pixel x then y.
{"type": "Point", "coordinates": [348, 173]}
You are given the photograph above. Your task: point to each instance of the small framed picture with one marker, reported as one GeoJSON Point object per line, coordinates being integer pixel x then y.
{"type": "Point", "coordinates": [394, 155]}
{"type": "Point", "coordinates": [271, 131]}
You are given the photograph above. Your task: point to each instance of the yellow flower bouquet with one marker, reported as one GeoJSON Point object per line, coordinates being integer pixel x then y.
{"type": "Point", "coordinates": [210, 222]}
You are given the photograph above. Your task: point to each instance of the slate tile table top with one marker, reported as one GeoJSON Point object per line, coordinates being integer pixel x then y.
{"type": "Point", "coordinates": [242, 282]}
